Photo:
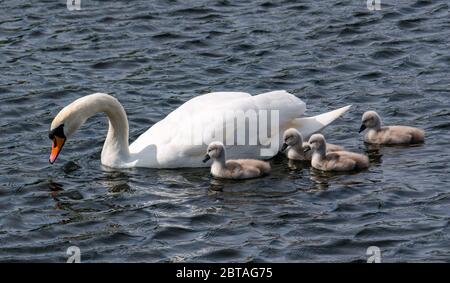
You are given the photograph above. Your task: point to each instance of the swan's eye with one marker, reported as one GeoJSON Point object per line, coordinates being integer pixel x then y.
{"type": "Point", "coordinates": [57, 132]}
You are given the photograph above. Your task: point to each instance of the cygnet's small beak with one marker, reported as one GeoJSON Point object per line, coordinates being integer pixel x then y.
{"type": "Point", "coordinates": [283, 147]}
{"type": "Point", "coordinates": [206, 158]}
{"type": "Point", "coordinates": [306, 148]}
{"type": "Point", "coordinates": [57, 145]}
{"type": "Point", "coordinates": [363, 127]}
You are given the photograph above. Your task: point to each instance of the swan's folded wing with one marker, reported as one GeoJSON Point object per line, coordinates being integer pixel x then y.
{"type": "Point", "coordinates": [163, 131]}
{"type": "Point", "coordinates": [206, 101]}
{"type": "Point", "coordinates": [240, 113]}
{"type": "Point", "coordinates": [290, 105]}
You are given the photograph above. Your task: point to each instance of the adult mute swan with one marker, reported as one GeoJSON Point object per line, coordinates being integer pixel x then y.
{"type": "Point", "coordinates": [181, 138]}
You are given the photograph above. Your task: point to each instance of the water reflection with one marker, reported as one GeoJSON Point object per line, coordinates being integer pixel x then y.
{"type": "Point", "coordinates": [298, 165]}
{"type": "Point", "coordinates": [216, 185]}
{"type": "Point", "coordinates": [319, 180]}
{"type": "Point", "coordinates": [55, 188]}
{"type": "Point", "coordinates": [116, 181]}
{"type": "Point", "coordinates": [374, 153]}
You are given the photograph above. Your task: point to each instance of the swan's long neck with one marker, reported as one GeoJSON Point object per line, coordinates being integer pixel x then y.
{"type": "Point", "coordinates": [298, 147]}
{"type": "Point", "coordinates": [115, 150]}
{"type": "Point", "coordinates": [219, 163]}
{"type": "Point", "coordinates": [377, 124]}
{"type": "Point", "coordinates": [321, 151]}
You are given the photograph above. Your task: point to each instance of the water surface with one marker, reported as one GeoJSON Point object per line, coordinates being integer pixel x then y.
{"type": "Point", "coordinates": [155, 55]}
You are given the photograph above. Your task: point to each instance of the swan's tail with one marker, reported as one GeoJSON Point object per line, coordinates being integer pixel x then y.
{"type": "Point", "coordinates": [310, 125]}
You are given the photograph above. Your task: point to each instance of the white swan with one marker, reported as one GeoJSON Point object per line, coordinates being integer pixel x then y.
{"type": "Point", "coordinates": [170, 143]}
{"type": "Point", "coordinates": [233, 169]}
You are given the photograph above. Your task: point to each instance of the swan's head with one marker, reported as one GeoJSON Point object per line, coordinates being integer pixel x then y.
{"type": "Point", "coordinates": [291, 137]}
{"type": "Point", "coordinates": [63, 126]}
{"type": "Point", "coordinates": [215, 150]}
{"type": "Point", "coordinates": [316, 142]}
{"type": "Point", "coordinates": [370, 119]}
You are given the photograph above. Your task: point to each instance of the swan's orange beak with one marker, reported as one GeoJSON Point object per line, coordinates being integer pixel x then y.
{"type": "Point", "coordinates": [57, 145]}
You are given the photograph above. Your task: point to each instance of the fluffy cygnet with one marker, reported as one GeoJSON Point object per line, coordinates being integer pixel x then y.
{"type": "Point", "coordinates": [293, 146]}
{"type": "Point", "coordinates": [334, 161]}
{"type": "Point", "coordinates": [233, 169]}
{"type": "Point", "coordinates": [377, 134]}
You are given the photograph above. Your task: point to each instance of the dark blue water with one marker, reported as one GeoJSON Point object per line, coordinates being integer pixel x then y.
{"type": "Point", "coordinates": [155, 55]}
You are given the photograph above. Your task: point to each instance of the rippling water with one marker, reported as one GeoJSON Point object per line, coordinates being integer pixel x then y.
{"type": "Point", "coordinates": [155, 55]}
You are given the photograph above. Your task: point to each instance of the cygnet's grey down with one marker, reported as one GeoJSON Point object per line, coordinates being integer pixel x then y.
{"type": "Point", "coordinates": [334, 161]}
{"type": "Point", "coordinates": [377, 134]}
{"type": "Point", "coordinates": [293, 146]}
{"type": "Point", "coordinates": [233, 169]}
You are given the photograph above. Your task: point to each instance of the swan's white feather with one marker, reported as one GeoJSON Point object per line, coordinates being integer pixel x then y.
{"type": "Point", "coordinates": [310, 125]}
